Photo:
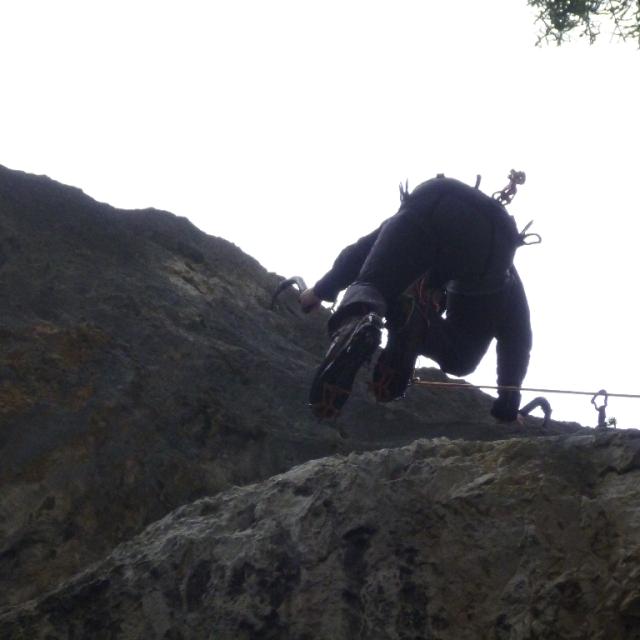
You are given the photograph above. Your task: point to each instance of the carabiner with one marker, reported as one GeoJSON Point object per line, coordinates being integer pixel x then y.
{"type": "Point", "coordinates": [602, 410]}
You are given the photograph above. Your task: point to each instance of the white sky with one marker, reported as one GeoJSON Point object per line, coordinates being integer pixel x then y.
{"type": "Point", "coordinates": [286, 126]}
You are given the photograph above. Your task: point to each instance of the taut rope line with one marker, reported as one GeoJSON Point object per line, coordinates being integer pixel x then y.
{"type": "Point", "coordinates": [467, 385]}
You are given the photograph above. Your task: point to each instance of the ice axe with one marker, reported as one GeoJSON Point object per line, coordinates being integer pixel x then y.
{"type": "Point", "coordinates": [285, 284]}
{"type": "Point", "coordinates": [543, 404]}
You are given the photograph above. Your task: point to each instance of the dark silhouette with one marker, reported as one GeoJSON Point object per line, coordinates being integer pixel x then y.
{"type": "Point", "coordinates": [448, 242]}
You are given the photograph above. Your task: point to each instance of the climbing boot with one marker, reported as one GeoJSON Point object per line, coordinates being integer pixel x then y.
{"type": "Point", "coordinates": [353, 344]}
{"type": "Point", "coordinates": [407, 325]}
{"type": "Point", "coordinates": [393, 372]}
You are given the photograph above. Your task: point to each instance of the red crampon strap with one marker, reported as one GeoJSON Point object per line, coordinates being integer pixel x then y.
{"type": "Point", "coordinates": [380, 388]}
{"type": "Point", "coordinates": [326, 408]}
{"type": "Point", "coordinates": [427, 299]}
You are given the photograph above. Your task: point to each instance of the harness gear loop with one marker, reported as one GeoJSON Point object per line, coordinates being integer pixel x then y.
{"type": "Point", "coordinates": [536, 238]}
{"type": "Point", "coordinates": [428, 300]}
{"type": "Point", "coordinates": [505, 196]}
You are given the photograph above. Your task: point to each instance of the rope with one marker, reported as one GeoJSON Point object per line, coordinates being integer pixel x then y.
{"type": "Point", "coordinates": [467, 385]}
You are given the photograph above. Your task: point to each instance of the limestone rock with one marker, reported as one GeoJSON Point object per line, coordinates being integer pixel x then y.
{"type": "Point", "coordinates": [141, 368]}
{"type": "Point", "coordinates": [449, 540]}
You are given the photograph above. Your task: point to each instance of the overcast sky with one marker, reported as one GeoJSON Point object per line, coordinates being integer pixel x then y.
{"type": "Point", "coordinates": [286, 126]}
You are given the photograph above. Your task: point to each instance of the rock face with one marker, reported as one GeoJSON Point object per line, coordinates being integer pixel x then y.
{"type": "Point", "coordinates": [448, 540]}
{"type": "Point", "coordinates": [141, 368]}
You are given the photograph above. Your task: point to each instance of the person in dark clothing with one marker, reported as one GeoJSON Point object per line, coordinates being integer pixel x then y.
{"type": "Point", "coordinates": [459, 241]}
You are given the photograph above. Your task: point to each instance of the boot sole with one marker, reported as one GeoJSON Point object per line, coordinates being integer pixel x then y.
{"type": "Point", "coordinates": [332, 385]}
{"type": "Point", "coordinates": [390, 383]}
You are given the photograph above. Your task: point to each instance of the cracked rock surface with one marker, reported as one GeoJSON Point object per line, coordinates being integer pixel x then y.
{"type": "Point", "coordinates": [142, 368]}
{"type": "Point", "coordinates": [449, 540]}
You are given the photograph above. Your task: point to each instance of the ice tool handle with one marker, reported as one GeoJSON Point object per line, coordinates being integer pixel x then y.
{"type": "Point", "coordinates": [285, 284]}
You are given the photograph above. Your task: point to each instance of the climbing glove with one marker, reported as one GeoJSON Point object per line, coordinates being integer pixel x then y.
{"type": "Point", "coordinates": [505, 407]}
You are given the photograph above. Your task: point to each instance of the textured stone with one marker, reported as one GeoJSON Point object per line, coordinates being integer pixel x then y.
{"type": "Point", "coordinates": [141, 368]}
{"type": "Point", "coordinates": [447, 540]}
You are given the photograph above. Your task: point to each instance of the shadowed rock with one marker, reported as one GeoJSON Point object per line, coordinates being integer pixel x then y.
{"type": "Point", "coordinates": [455, 540]}
{"type": "Point", "coordinates": [141, 368]}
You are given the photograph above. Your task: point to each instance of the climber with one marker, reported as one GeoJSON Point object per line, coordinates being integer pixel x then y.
{"type": "Point", "coordinates": [448, 244]}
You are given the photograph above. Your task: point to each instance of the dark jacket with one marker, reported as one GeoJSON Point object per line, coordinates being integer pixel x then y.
{"type": "Point", "coordinates": [466, 241]}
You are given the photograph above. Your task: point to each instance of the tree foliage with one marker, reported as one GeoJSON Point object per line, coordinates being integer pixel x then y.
{"type": "Point", "coordinates": [587, 18]}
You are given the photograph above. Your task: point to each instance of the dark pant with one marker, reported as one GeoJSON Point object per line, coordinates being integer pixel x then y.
{"type": "Point", "coordinates": [460, 340]}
